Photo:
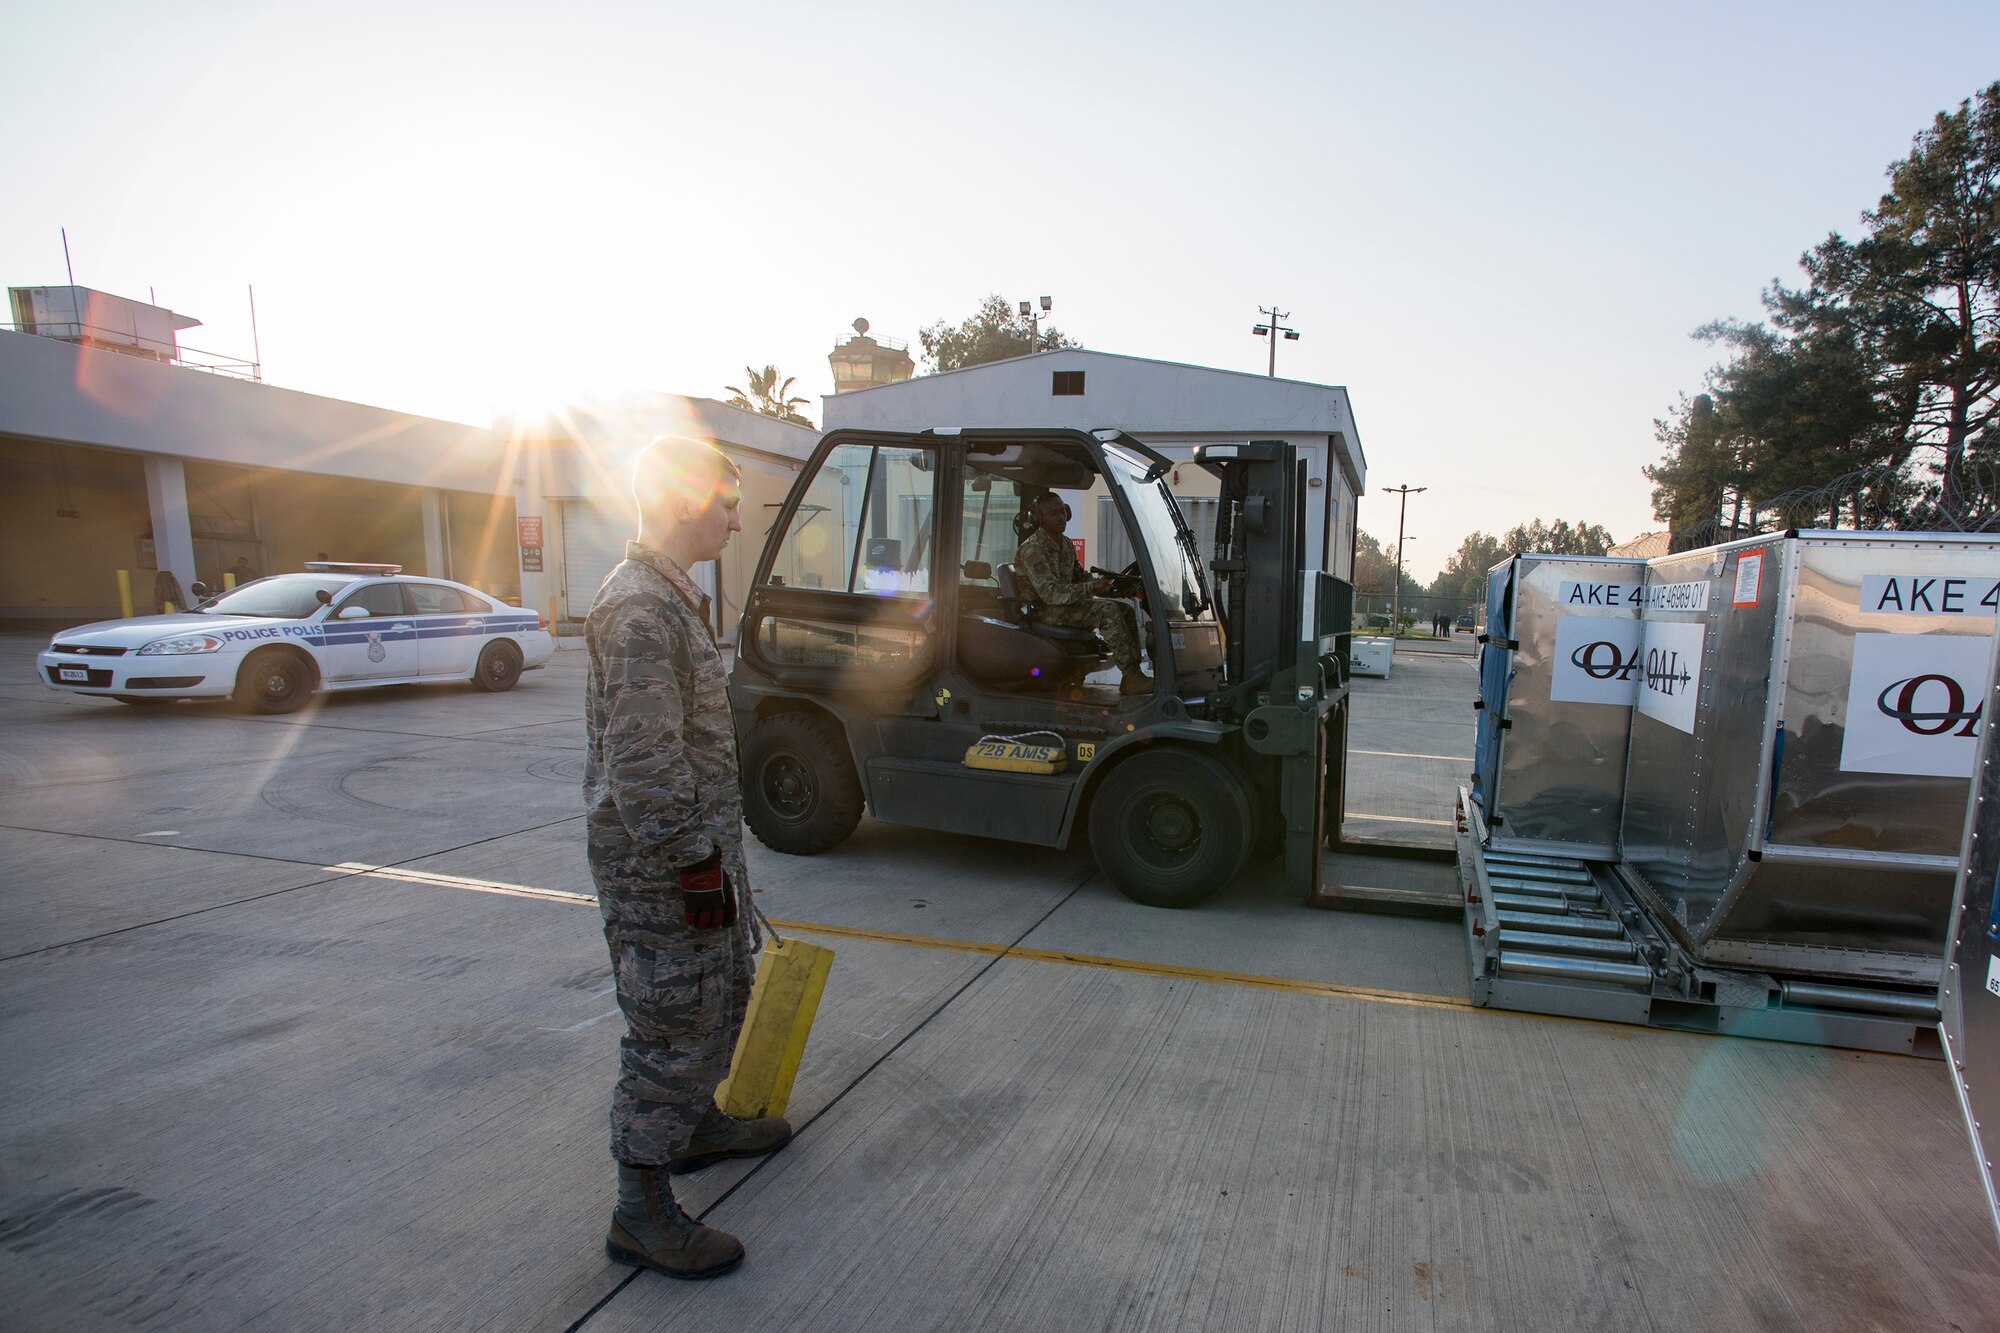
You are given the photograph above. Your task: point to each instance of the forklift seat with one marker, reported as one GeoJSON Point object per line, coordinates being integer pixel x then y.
{"type": "Point", "coordinates": [1012, 649]}
{"type": "Point", "coordinates": [1023, 610]}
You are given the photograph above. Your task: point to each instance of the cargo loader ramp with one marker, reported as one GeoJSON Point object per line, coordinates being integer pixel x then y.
{"type": "Point", "coordinates": [1569, 936]}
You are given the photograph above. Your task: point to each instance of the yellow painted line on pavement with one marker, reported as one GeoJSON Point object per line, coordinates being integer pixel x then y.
{"type": "Point", "coordinates": [1404, 754]}
{"type": "Point", "coordinates": [459, 882]}
{"type": "Point", "coordinates": [1060, 957]}
{"type": "Point", "coordinates": [1207, 976]}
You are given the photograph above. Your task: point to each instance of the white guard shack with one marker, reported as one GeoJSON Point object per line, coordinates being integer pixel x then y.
{"type": "Point", "coordinates": [1170, 406]}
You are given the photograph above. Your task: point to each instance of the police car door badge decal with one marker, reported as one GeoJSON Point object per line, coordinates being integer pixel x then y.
{"type": "Point", "coordinates": [376, 652]}
{"type": "Point", "coordinates": [1914, 704]}
{"type": "Point", "coordinates": [1670, 672]}
{"type": "Point", "coordinates": [1597, 660]}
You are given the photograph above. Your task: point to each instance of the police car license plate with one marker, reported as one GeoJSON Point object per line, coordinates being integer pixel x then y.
{"type": "Point", "coordinates": [78, 674]}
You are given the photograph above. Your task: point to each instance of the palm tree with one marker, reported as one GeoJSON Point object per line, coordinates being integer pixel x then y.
{"type": "Point", "coordinates": [768, 395]}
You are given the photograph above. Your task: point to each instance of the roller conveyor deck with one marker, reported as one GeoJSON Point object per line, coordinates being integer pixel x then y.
{"type": "Point", "coordinates": [1570, 936]}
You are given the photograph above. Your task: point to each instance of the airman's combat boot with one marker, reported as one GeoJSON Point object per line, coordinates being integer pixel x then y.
{"type": "Point", "coordinates": [720, 1136]}
{"type": "Point", "coordinates": [649, 1230]}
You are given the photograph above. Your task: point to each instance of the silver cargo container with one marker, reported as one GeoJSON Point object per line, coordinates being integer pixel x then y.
{"type": "Point", "coordinates": [1969, 999]}
{"type": "Point", "coordinates": [1808, 711]}
{"type": "Point", "coordinates": [1558, 678]}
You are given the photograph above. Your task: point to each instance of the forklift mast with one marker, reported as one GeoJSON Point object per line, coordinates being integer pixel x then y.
{"type": "Point", "coordinates": [1281, 621]}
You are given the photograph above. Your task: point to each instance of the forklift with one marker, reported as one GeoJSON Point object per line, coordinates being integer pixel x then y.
{"type": "Point", "coordinates": [889, 657]}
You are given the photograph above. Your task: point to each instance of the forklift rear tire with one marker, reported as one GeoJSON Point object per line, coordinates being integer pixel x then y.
{"type": "Point", "coordinates": [1170, 827]}
{"type": "Point", "coordinates": [800, 794]}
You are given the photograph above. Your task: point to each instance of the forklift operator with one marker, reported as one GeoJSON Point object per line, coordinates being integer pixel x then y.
{"type": "Point", "coordinates": [1047, 566]}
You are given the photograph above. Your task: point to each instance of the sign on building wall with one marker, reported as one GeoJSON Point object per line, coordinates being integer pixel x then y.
{"type": "Point", "coordinates": [531, 559]}
{"type": "Point", "coordinates": [531, 535]}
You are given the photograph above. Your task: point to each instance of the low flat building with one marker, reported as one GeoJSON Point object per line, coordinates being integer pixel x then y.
{"type": "Point", "coordinates": [118, 454]}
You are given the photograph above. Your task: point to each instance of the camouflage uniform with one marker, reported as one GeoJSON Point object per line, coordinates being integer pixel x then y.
{"type": "Point", "coordinates": [660, 793]}
{"type": "Point", "coordinates": [1059, 582]}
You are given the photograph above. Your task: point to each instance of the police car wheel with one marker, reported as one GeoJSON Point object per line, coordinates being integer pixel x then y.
{"type": "Point", "coordinates": [800, 795]}
{"type": "Point", "coordinates": [499, 667]}
{"type": "Point", "coordinates": [274, 682]}
{"type": "Point", "coordinates": [1170, 827]}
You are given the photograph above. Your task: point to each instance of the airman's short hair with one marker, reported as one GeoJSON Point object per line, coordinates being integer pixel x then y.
{"type": "Point", "coordinates": [675, 468]}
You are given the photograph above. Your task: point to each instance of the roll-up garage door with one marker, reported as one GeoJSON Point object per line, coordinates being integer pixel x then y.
{"type": "Point", "coordinates": [594, 533]}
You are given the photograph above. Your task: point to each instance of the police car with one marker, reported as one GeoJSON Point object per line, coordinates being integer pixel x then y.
{"type": "Point", "coordinates": [272, 642]}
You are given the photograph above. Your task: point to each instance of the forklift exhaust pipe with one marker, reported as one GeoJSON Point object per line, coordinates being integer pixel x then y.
{"type": "Point", "coordinates": [1514, 963]}
{"type": "Point", "coordinates": [1922, 1008]}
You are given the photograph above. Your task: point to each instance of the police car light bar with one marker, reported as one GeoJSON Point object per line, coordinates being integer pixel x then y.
{"type": "Point", "coordinates": [350, 567]}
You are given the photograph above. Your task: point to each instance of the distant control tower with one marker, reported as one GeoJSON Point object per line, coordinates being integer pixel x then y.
{"type": "Point", "coordinates": [861, 362]}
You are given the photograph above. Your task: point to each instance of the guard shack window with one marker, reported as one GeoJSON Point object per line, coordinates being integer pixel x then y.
{"type": "Point", "coordinates": [1068, 384]}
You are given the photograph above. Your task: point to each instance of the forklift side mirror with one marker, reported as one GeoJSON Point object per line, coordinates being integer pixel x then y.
{"type": "Point", "coordinates": [976, 569]}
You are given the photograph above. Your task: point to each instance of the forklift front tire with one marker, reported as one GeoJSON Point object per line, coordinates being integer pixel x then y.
{"type": "Point", "coordinates": [1170, 827]}
{"type": "Point", "coordinates": [800, 795]}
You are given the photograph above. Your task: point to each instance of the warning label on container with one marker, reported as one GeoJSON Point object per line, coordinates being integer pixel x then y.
{"type": "Point", "coordinates": [1749, 574]}
{"type": "Point", "coordinates": [1929, 595]}
{"type": "Point", "coordinates": [1596, 661]}
{"type": "Point", "coordinates": [1616, 596]}
{"type": "Point", "coordinates": [1670, 671]}
{"type": "Point", "coordinates": [1914, 704]}
{"type": "Point", "coordinates": [1677, 597]}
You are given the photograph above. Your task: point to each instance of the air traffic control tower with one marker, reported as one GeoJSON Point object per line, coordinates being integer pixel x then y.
{"type": "Point", "coordinates": [862, 362]}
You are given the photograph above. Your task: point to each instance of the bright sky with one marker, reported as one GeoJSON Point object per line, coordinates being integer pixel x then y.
{"type": "Point", "coordinates": [1496, 225]}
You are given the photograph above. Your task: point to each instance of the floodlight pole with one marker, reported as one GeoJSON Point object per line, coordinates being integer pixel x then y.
{"type": "Point", "coordinates": [1274, 330]}
{"type": "Point", "coordinates": [1035, 322]}
{"type": "Point", "coordinates": [1396, 597]}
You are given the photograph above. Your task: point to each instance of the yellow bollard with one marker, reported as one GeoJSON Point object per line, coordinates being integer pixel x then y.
{"type": "Point", "coordinates": [228, 581]}
{"type": "Point", "coordinates": [167, 608]}
{"type": "Point", "coordinates": [125, 593]}
{"type": "Point", "coordinates": [783, 1001]}
{"type": "Point", "coordinates": [552, 613]}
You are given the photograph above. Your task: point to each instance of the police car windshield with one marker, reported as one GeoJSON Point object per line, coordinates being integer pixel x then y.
{"type": "Point", "coordinates": [280, 597]}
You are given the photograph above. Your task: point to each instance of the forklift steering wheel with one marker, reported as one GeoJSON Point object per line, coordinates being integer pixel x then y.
{"type": "Point", "coordinates": [1127, 582]}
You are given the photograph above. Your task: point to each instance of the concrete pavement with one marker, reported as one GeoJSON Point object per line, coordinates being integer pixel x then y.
{"type": "Point", "coordinates": [253, 1086]}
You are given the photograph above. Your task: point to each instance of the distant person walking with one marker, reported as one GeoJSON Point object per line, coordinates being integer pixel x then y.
{"type": "Point", "coordinates": [242, 571]}
{"type": "Point", "coordinates": [664, 838]}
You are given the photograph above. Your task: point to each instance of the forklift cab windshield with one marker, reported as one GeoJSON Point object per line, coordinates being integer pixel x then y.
{"type": "Point", "coordinates": [1169, 544]}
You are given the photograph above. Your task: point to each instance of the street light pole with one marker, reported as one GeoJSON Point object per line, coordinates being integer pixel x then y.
{"type": "Point", "coordinates": [1402, 505]}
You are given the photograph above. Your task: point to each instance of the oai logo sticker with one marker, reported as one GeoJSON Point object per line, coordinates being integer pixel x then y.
{"type": "Point", "coordinates": [1670, 672]}
{"type": "Point", "coordinates": [1597, 661]}
{"type": "Point", "coordinates": [1915, 704]}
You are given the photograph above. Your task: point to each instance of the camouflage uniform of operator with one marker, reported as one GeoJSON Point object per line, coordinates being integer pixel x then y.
{"type": "Point", "coordinates": [1046, 561]}
{"type": "Point", "coordinates": [665, 844]}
